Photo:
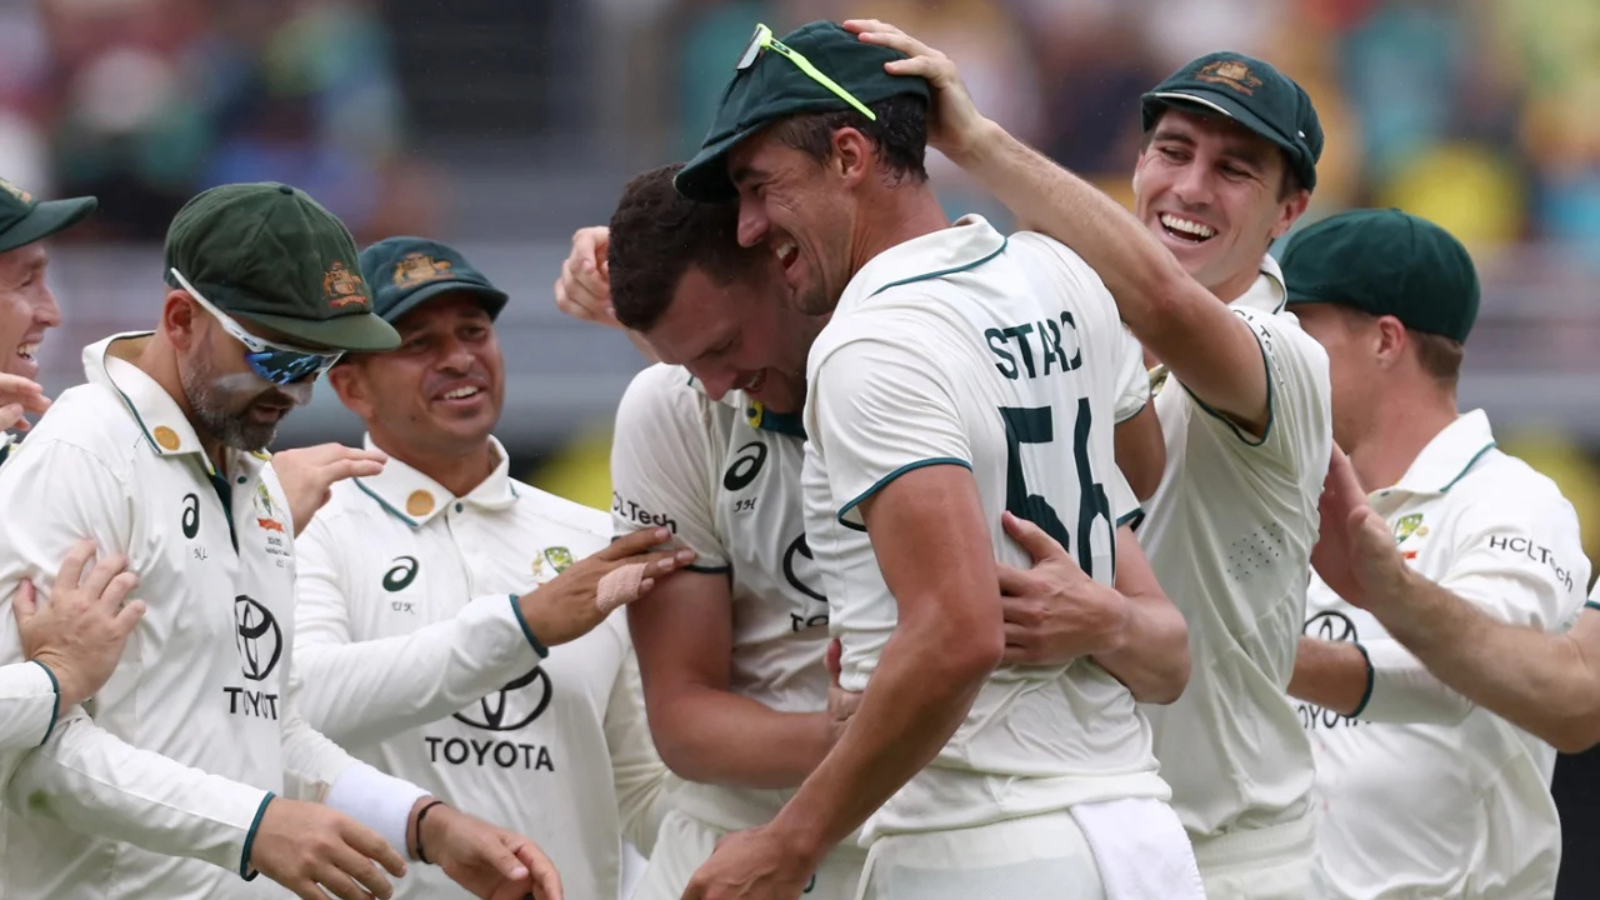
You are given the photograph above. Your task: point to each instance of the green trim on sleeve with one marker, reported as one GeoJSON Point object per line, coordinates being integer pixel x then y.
{"type": "Point", "coordinates": [55, 713]}
{"type": "Point", "coordinates": [1133, 518]}
{"type": "Point", "coordinates": [527, 632]}
{"type": "Point", "coordinates": [1366, 696]}
{"type": "Point", "coordinates": [245, 870]}
{"type": "Point", "coordinates": [1591, 604]}
{"type": "Point", "coordinates": [709, 570]}
{"type": "Point", "coordinates": [1266, 366]}
{"type": "Point", "coordinates": [884, 481]}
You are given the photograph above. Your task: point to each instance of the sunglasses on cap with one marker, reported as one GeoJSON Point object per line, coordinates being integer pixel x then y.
{"type": "Point", "coordinates": [763, 40]}
{"type": "Point", "coordinates": [276, 363]}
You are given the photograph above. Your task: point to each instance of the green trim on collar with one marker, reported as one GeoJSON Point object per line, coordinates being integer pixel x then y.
{"type": "Point", "coordinates": [1591, 604]}
{"type": "Point", "coordinates": [1132, 519]}
{"type": "Point", "coordinates": [759, 417]}
{"type": "Point", "coordinates": [1233, 426]}
{"type": "Point", "coordinates": [245, 870]}
{"type": "Point", "coordinates": [1004, 242]}
{"type": "Point", "coordinates": [385, 504]}
{"type": "Point", "coordinates": [136, 417]}
{"type": "Point", "coordinates": [1372, 678]}
{"type": "Point", "coordinates": [55, 712]}
{"type": "Point", "coordinates": [882, 482]}
{"type": "Point", "coordinates": [1468, 467]}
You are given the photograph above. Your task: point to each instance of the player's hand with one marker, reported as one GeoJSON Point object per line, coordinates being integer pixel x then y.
{"type": "Point", "coordinates": [573, 603]}
{"type": "Point", "coordinates": [308, 473]}
{"type": "Point", "coordinates": [584, 289]}
{"type": "Point", "coordinates": [80, 633]}
{"type": "Point", "coordinates": [955, 127]}
{"type": "Point", "coordinates": [310, 848]}
{"type": "Point", "coordinates": [18, 395]}
{"type": "Point", "coordinates": [1053, 611]}
{"type": "Point", "coordinates": [842, 704]}
{"type": "Point", "coordinates": [751, 865]}
{"type": "Point", "coordinates": [1355, 554]}
{"type": "Point", "coordinates": [490, 862]}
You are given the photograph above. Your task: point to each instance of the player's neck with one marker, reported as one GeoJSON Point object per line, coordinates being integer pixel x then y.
{"type": "Point", "coordinates": [1236, 285]}
{"type": "Point", "coordinates": [893, 216]}
{"type": "Point", "coordinates": [459, 471]}
{"type": "Point", "coordinates": [1402, 427]}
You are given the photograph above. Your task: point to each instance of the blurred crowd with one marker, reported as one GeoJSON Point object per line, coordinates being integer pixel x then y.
{"type": "Point", "coordinates": [146, 102]}
{"type": "Point", "coordinates": [1478, 114]}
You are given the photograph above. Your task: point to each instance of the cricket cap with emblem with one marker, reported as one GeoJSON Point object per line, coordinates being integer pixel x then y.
{"type": "Point", "coordinates": [269, 254]}
{"type": "Point", "coordinates": [403, 272]}
{"type": "Point", "coordinates": [1387, 263]}
{"type": "Point", "coordinates": [770, 84]}
{"type": "Point", "coordinates": [1252, 93]}
{"type": "Point", "coordinates": [25, 219]}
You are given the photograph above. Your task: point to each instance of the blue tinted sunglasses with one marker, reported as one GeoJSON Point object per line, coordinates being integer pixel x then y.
{"type": "Point", "coordinates": [275, 362]}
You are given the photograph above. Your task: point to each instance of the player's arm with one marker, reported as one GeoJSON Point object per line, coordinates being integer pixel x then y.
{"type": "Point", "coordinates": [897, 460]}
{"type": "Point", "coordinates": [641, 780]}
{"type": "Point", "coordinates": [29, 703]}
{"type": "Point", "coordinates": [583, 289]}
{"type": "Point", "coordinates": [359, 692]}
{"type": "Point", "coordinates": [683, 634]}
{"type": "Point", "coordinates": [1141, 451]}
{"type": "Point", "coordinates": [1215, 355]}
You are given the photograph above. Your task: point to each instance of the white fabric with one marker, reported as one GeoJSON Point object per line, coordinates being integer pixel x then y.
{"type": "Point", "coordinates": [363, 791]}
{"type": "Point", "coordinates": [1273, 863]}
{"type": "Point", "coordinates": [414, 656]}
{"type": "Point", "coordinates": [1040, 857]}
{"type": "Point", "coordinates": [28, 698]}
{"type": "Point", "coordinates": [1141, 850]}
{"type": "Point", "coordinates": [686, 841]}
{"type": "Point", "coordinates": [1458, 807]}
{"type": "Point", "coordinates": [206, 685]}
{"type": "Point", "coordinates": [1229, 534]}
{"type": "Point", "coordinates": [942, 351]}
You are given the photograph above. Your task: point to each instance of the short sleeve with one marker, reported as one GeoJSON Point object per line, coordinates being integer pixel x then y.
{"type": "Point", "coordinates": [1299, 428]}
{"type": "Point", "coordinates": [877, 410]}
{"type": "Point", "coordinates": [1133, 380]}
{"type": "Point", "coordinates": [662, 470]}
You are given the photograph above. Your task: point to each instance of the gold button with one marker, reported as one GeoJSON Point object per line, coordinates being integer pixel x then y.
{"type": "Point", "coordinates": [166, 437]}
{"type": "Point", "coordinates": [420, 503]}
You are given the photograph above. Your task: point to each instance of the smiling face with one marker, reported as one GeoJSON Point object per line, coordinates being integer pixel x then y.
{"type": "Point", "coordinates": [27, 309]}
{"type": "Point", "coordinates": [741, 335]}
{"type": "Point", "coordinates": [1212, 192]}
{"type": "Point", "coordinates": [441, 391]}
{"type": "Point", "coordinates": [802, 209]}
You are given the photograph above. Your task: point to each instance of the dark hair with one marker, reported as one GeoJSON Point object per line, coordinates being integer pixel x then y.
{"type": "Point", "coordinates": [1439, 356]}
{"type": "Point", "coordinates": [657, 235]}
{"type": "Point", "coordinates": [900, 134]}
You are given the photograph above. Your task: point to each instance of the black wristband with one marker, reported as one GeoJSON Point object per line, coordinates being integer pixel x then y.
{"type": "Point", "coordinates": [420, 816]}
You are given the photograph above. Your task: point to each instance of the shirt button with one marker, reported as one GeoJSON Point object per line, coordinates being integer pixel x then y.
{"type": "Point", "coordinates": [458, 507]}
{"type": "Point", "coordinates": [242, 479]}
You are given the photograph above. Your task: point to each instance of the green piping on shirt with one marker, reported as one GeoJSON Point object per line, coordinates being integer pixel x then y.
{"type": "Point", "coordinates": [1232, 426]}
{"type": "Point", "coordinates": [245, 871]}
{"type": "Point", "coordinates": [1372, 677]}
{"type": "Point", "coordinates": [386, 507]}
{"type": "Point", "coordinates": [516, 610]}
{"type": "Point", "coordinates": [55, 711]}
{"type": "Point", "coordinates": [1468, 468]}
{"type": "Point", "coordinates": [1004, 241]}
{"type": "Point", "coordinates": [882, 482]}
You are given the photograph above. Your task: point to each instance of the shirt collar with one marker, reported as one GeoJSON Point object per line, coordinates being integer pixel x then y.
{"type": "Point", "coordinates": [107, 363]}
{"type": "Point", "coordinates": [416, 499]}
{"type": "Point", "coordinates": [1267, 293]}
{"type": "Point", "coordinates": [755, 412]}
{"type": "Point", "coordinates": [967, 243]}
{"type": "Point", "coordinates": [1449, 456]}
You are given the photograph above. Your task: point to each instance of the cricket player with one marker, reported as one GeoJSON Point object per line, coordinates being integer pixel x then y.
{"type": "Point", "coordinates": [72, 643]}
{"type": "Point", "coordinates": [1423, 792]}
{"type": "Point", "coordinates": [1228, 164]}
{"type": "Point", "coordinates": [952, 351]}
{"type": "Point", "coordinates": [193, 774]}
{"type": "Point", "coordinates": [431, 597]}
{"type": "Point", "coordinates": [753, 627]}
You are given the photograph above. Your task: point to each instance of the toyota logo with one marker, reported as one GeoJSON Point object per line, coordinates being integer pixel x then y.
{"type": "Point", "coordinates": [260, 640]}
{"type": "Point", "coordinates": [512, 707]}
{"type": "Point", "coordinates": [1330, 626]}
{"type": "Point", "coordinates": [800, 548]}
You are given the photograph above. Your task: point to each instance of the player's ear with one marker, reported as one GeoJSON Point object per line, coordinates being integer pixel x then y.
{"type": "Point", "coordinates": [1391, 341]}
{"type": "Point", "coordinates": [349, 380]}
{"type": "Point", "coordinates": [180, 319]}
{"type": "Point", "coordinates": [852, 156]}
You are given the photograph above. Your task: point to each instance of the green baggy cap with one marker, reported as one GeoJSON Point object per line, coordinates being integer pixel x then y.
{"type": "Point", "coordinates": [269, 254]}
{"type": "Point", "coordinates": [1387, 263]}
{"type": "Point", "coordinates": [403, 272]}
{"type": "Point", "coordinates": [773, 87]}
{"type": "Point", "coordinates": [24, 219]}
{"type": "Point", "coordinates": [1252, 93]}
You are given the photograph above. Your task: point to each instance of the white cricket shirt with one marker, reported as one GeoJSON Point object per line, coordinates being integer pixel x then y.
{"type": "Point", "coordinates": [1426, 794]}
{"type": "Point", "coordinates": [1229, 535]}
{"type": "Point", "coordinates": [415, 658]}
{"type": "Point", "coordinates": [724, 476]}
{"type": "Point", "coordinates": [28, 695]}
{"type": "Point", "coordinates": [1005, 356]}
{"type": "Point", "coordinates": [198, 724]}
